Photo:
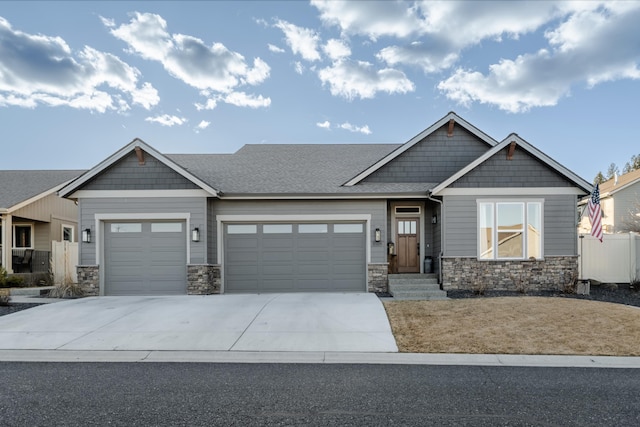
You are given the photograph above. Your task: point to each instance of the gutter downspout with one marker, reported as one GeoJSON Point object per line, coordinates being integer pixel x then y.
{"type": "Point", "coordinates": [442, 241]}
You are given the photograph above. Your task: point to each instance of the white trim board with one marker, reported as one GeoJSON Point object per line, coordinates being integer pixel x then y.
{"type": "Point", "coordinates": [511, 191]}
{"type": "Point", "coordinates": [109, 194]}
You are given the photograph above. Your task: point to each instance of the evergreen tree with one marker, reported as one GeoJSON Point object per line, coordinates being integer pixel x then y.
{"type": "Point", "coordinates": [612, 171]}
{"type": "Point", "coordinates": [632, 165]}
{"type": "Point", "coordinates": [599, 179]}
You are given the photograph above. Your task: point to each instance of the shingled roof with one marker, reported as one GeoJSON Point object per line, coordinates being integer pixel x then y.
{"type": "Point", "coordinates": [272, 169]}
{"type": "Point", "coordinates": [17, 186]}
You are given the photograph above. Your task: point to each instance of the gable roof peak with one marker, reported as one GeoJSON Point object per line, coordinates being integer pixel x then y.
{"type": "Point", "coordinates": [130, 147]}
{"type": "Point", "coordinates": [459, 121]}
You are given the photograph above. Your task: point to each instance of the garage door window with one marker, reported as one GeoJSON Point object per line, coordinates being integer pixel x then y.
{"type": "Point", "coordinates": [277, 229]}
{"type": "Point", "coordinates": [347, 228]}
{"type": "Point", "coordinates": [242, 229]}
{"type": "Point", "coordinates": [313, 228]}
{"type": "Point", "coordinates": [166, 227]}
{"type": "Point", "coordinates": [126, 227]}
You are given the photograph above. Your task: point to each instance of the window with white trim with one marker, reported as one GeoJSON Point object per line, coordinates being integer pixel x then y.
{"type": "Point", "coordinates": [509, 230]}
{"type": "Point", "coordinates": [67, 233]}
{"type": "Point", "coordinates": [23, 236]}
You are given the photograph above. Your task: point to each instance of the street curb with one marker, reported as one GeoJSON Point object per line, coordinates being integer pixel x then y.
{"type": "Point", "coordinates": [155, 356]}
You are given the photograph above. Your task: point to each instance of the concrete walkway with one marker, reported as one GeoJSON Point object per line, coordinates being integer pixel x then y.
{"type": "Point", "coordinates": [324, 322]}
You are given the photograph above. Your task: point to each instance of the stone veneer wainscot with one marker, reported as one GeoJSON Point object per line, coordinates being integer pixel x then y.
{"type": "Point", "coordinates": [549, 274]}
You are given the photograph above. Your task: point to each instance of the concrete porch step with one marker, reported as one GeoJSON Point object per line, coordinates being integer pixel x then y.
{"type": "Point", "coordinates": [415, 287]}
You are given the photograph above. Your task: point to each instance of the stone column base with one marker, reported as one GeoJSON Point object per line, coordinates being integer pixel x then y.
{"type": "Point", "coordinates": [377, 277]}
{"type": "Point", "coordinates": [203, 279]}
{"type": "Point", "coordinates": [89, 279]}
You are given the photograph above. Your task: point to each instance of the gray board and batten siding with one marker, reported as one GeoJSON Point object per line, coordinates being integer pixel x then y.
{"type": "Point", "coordinates": [433, 159]}
{"type": "Point", "coordinates": [559, 224]}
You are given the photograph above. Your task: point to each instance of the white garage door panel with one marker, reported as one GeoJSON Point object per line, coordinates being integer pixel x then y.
{"type": "Point", "coordinates": [284, 258]}
{"type": "Point", "coordinates": [145, 258]}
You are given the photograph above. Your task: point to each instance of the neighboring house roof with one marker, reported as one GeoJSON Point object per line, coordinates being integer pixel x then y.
{"type": "Point", "coordinates": [136, 143]}
{"type": "Point", "coordinates": [614, 185]}
{"type": "Point", "coordinates": [21, 187]}
{"type": "Point", "coordinates": [457, 121]}
{"type": "Point", "coordinates": [520, 144]}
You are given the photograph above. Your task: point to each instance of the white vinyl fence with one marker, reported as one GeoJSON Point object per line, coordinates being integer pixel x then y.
{"type": "Point", "coordinates": [64, 259]}
{"type": "Point", "coordinates": [615, 260]}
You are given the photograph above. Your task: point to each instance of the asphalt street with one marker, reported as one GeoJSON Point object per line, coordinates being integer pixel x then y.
{"type": "Point", "coordinates": [199, 394]}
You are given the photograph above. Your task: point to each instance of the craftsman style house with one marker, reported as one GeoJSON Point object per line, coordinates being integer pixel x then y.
{"type": "Point", "coordinates": [340, 218]}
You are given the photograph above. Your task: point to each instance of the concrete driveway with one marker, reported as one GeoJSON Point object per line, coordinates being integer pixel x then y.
{"type": "Point", "coordinates": [266, 322]}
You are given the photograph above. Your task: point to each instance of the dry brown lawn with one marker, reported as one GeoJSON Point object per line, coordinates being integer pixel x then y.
{"type": "Point", "coordinates": [516, 325]}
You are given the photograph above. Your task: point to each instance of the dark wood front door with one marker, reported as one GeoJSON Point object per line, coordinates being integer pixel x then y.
{"type": "Point", "coordinates": [408, 245]}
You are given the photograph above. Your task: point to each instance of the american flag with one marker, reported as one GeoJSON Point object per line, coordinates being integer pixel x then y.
{"type": "Point", "coordinates": [595, 214]}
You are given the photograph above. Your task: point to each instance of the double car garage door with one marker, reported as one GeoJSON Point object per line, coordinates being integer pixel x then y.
{"type": "Point", "coordinates": [149, 257]}
{"type": "Point", "coordinates": [294, 257]}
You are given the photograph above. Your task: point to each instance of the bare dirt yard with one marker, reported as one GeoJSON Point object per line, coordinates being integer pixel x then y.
{"type": "Point", "coordinates": [516, 325]}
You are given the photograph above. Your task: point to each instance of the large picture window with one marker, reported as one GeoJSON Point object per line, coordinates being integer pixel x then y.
{"type": "Point", "coordinates": [509, 230]}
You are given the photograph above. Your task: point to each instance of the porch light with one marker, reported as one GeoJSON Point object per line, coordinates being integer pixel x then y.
{"type": "Point", "coordinates": [378, 235]}
{"type": "Point", "coordinates": [86, 235]}
{"type": "Point", "coordinates": [195, 235]}
{"type": "Point", "coordinates": [434, 219]}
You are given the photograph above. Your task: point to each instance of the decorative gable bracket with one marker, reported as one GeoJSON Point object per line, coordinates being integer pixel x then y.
{"type": "Point", "coordinates": [512, 149]}
{"type": "Point", "coordinates": [140, 155]}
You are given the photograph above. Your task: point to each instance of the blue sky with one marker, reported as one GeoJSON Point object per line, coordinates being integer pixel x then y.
{"type": "Point", "coordinates": [79, 80]}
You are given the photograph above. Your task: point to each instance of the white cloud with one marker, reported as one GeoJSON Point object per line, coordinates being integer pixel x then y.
{"type": "Point", "coordinates": [336, 49]}
{"type": "Point", "coordinates": [434, 34]}
{"type": "Point", "coordinates": [325, 125]}
{"type": "Point", "coordinates": [298, 67]}
{"type": "Point", "coordinates": [358, 129]}
{"type": "Point", "coordinates": [39, 69]}
{"type": "Point", "coordinates": [428, 58]}
{"type": "Point", "coordinates": [167, 120]}
{"type": "Point", "coordinates": [241, 99]}
{"type": "Point", "coordinates": [373, 18]}
{"type": "Point", "coordinates": [187, 58]}
{"type": "Point", "coordinates": [275, 49]}
{"type": "Point", "coordinates": [592, 46]}
{"type": "Point", "coordinates": [202, 125]}
{"type": "Point", "coordinates": [351, 80]}
{"type": "Point", "coordinates": [302, 41]}
{"type": "Point", "coordinates": [209, 105]}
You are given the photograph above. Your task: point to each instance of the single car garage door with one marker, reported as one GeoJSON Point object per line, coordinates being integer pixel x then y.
{"type": "Point", "coordinates": [295, 257]}
{"type": "Point", "coordinates": [145, 258]}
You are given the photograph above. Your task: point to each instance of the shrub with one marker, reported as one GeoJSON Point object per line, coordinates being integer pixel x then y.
{"type": "Point", "coordinates": [3, 277]}
{"type": "Point", "coordinates": [14, 281]}
{"type": "Point", "coordinates": [66, 290]}
{"type": "Point", "coordinates": [5, 298]}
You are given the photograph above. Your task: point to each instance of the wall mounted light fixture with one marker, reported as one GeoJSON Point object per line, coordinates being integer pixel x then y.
{"type": "Point", "coordinates": [86, 235]}
{"type": "Point", "coordinates": [378, 235]}
{"type": "Point", "coordinates": [195, 235]}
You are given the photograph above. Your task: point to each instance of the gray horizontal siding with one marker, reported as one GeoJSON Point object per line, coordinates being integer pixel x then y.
{"type": "Point", "coordinates": [127, 174]}
{"type": "Point", "coordinates": [560, 219]}
{"type": "Point", "coordinates": [376, 208]}
{"type": "Point", "coordinates": [196, 206]}
{"type": "Point", "coordinates": [523, 170]}
{"type": "Point", "coordinates": [433, 159]}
